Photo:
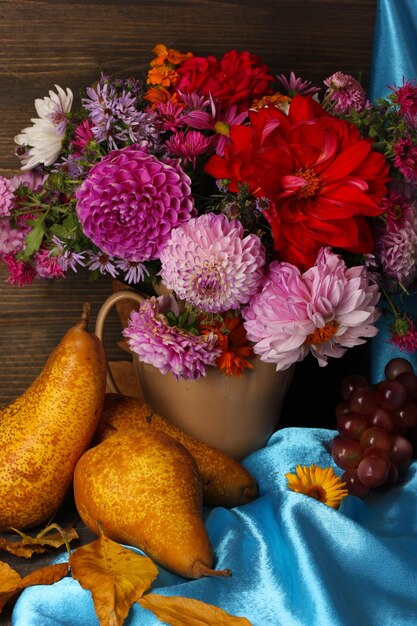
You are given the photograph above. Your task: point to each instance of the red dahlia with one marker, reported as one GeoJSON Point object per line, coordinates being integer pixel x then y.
{"type": "Point", "coordinates": [237, 78]}
{"type": "Point", "coordinates": [322, 179]}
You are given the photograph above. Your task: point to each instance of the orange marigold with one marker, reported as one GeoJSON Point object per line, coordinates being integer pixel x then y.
{"type": "Point", "coordinates": [169, 55]}
{"type": "Point", "coordinates": [277, 100]}
{"type": "Point", "coordinates": [158, 94]}
{"type": "Point", "coordinates": [162, 75]}
{"type": "Point", "coordinates": [234, 344]}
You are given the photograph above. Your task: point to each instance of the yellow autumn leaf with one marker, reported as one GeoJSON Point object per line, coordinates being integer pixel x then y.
{"type": "Point", "coordinates": [11, 583]}
{"type": "Point", "coordinates": [179, 611]}
{"type": "Point", "coordinates": [116, 577]}
{"type": "Point", "coordinates": [27, 545]}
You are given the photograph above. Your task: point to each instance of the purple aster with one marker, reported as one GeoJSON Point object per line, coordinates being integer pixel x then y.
{"type": "Point", "coordinates": [114, 114]}
{"type": "Point", "coordinates": [295, 85]}
{"type": "Point", "coordinates": [212, 264]}
{"type": "Point", "coordinates": [6, 196]}
{"type": "Point", "coordinates": [130, 201]}
{"type": "Point", "coordinates": [102, 262]}
{"type": "Point", "coordinates": [345, 93]}
{"type": "Point", "coordinates": [67, 258]}
{"type": "Point", "coordinates": [188, 145]}
{"type": "Point", "coordinates": [166, 347]}
{"type": "Point", "coordinates": [134, 272]}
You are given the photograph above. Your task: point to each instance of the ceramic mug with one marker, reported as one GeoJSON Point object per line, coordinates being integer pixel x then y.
{"type": "Point", "coordinates": [235, 415]}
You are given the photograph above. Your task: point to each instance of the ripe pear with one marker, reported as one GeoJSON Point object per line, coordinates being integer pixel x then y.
{"type": "Point", "coordinates": [44, 432]}
{"type": "Point", "coordinates": [142, 488]}
{"type": "Point", "coordinates": [225, 481]}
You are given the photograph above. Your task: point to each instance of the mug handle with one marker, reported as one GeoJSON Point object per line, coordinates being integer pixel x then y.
{"type": "Point", "coordinates": [125, 294]}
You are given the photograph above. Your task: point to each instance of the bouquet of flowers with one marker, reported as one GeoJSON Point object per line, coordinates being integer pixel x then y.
{"type": "Point", "coordinates": [274, 212]}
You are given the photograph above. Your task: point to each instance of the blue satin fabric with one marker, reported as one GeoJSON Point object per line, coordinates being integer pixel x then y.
{"type": "Point", "coordinates": [394, 58]}
{"type": "Point", "coordinates": [295, 561]}
{"type": "Point", "coordinates": [395, 46]}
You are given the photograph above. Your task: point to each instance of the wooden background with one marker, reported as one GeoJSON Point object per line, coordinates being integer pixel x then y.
{"type": "Point", "coordinates": [47, 42]}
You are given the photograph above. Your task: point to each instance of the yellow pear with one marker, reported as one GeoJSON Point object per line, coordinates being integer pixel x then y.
{"type": "Point", "coordinates": [225, 481]}
{"type": "Point", "coordinates": [143, 488]}
{"type": "Point", "coordinates": [45, 431]}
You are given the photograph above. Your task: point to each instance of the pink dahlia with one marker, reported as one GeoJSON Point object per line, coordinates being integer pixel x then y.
{"type": "Point", "coordinates": [325, 310]}
{"type": "Point", "coordinates": [6, 196]}
{"type": "Point", "coordinates": [130, 201]}
{"type": "Point", "coordinates": [397, 252]}
{"type": "Point", "coordinates": [212, 264]}
{"type": "Point", "coordinates": [166, 347]}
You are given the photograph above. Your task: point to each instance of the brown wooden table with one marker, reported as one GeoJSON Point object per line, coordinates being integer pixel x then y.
{"type": "Point", "coordinates": [67, 43]}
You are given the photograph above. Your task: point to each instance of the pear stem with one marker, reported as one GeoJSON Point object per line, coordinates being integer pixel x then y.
{"type": "Point", "coordinates": [200, 569]}
{"type": "Point", "coordinates": [85, 315]}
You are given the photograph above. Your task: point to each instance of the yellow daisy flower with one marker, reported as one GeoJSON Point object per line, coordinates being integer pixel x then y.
{"type": "Point", "coordinates": [322, 484]}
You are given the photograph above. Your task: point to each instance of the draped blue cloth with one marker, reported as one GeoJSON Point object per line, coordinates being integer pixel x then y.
{"type": "Point", "coordinates": [295, 561]}
{"type": "Point", "coordinates": [394, 59]}
{"type": "Point", "coordinates": [395, 46]}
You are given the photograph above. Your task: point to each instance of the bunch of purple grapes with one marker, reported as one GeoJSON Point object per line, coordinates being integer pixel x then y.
{"type": "Point", "coordinates": [377, 426]}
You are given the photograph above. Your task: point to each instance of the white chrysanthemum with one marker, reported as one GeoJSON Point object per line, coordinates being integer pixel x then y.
{"type": "Point", "coordinates": [209, 262]}
{"type": "Point", "coordinates": [43, 140]}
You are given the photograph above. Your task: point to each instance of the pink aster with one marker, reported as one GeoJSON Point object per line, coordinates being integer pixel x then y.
{"type": "Point", "coordinates": [47, 265]}
{"type": "Point", "coordinates": [170, 115]}
{"type": "Point", "coordinates": [345, 93]}
{"type": "Point", "coordinates": [405, 157]}
{"type": "Point", "coordinates": [166, 347]}
{"type": "Point", "coordinates": [131, 200]}
{"type": "Point", "coordinates": [298, 85]}
{"type": "Point", "coordinates": [21, 274]}
{"type": "Point", "coordinates": [324, 310]}
{"type": "Point", "coordinates": [397, 251]}
{"type": "Point", "coordinates": [406, 97]}
{"type": "Point", "coordinates": [397, 210]}
{"type": "Point", "coordinates": [188, 145]}
{"type": "Point", "coordinates": [83, 134]}
{"type": "Point", "coordinates": [404, 334]}
{"type": "Point", "coordinates": [218, 120]}
{"type": "Point", "coordinates": [212, 264]}
{"type": "Point", "coordinates": [6, 196]}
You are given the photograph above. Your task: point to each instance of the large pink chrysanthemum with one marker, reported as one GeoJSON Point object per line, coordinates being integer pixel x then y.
{"type": "Point", "coordinates": [397, 251]}
{"type": "Point", "coordinates": [166, 347]}
{"type": "Point", "coordinates": [324, 311]}
{"type": "Point", "coordinates": [130, 201]}
{"type": "Point", "coordinates": [212, 264]}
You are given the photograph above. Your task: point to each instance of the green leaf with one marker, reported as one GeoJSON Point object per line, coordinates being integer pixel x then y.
{"type": "Point", "coordinates": [34, 238]}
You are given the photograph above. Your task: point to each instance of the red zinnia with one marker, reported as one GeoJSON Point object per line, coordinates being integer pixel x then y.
{"type": "Point", "coordinates": [238, 78]}
{"type": "Point", "coordinates": [321, 177]}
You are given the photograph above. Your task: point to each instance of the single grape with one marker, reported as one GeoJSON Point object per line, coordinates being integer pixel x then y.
{"type": "Point", "coordinates": [397, 366]}
{"type": "Point", "coordinates": [382, 418]}
{"type": "Point", "coordinates": [362, 400]}
{"type": "Point", "coordinates": [373, 471]}
{"type": "Point", "coordinates": [390, 394]}
{"type": "Point", "coordinates": [375, 451]}
{"type": "Point", "coordinates": [401, 450]}
{"type": "Point", "coordinates": [351, 382]}
{"type": "Point", "coordinates": [409, 380]}
{"type": "Point", "coordinates": [352, 425]}
{"type": "Point", "coordinates": [406, 417]}
{"type": "Point", "coordinates": [375, 437]}
{"type": "Point", "coordinates": [391, 479]}
{"type": "Point", "coordinates": [346, 453]}
{"type": "Point", "coordinates": [342, 407]}
{"type": "Point", "coordinates": [353, 484]}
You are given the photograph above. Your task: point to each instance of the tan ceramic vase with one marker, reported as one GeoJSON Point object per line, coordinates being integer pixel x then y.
{"type": "Point", "coordinates": [235, 415]}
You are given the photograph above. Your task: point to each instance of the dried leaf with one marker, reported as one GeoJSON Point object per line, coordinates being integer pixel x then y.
{"type": "Point", "coordinates": [178, 611]}
{"type": "Point", "coordinates": [116, 577]}
{"type": "Point", "coordinates": [28, 546]}
{"type": "Point", "coordinates": [11, 582]}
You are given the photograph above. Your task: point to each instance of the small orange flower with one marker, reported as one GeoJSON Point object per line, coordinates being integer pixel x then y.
{"type": "Point", "coordinates": [158, 94]}
{"type": "Point", "coordinates": [318, 483]}
{"type": "Point", "coordinates": [164, 54]}
{"type": "Point", "coordinates": [277, 100]}
{"type": "Point", "coordinates": [162, 75]}
{"type": "Point", "coordinates": [234, 344]}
